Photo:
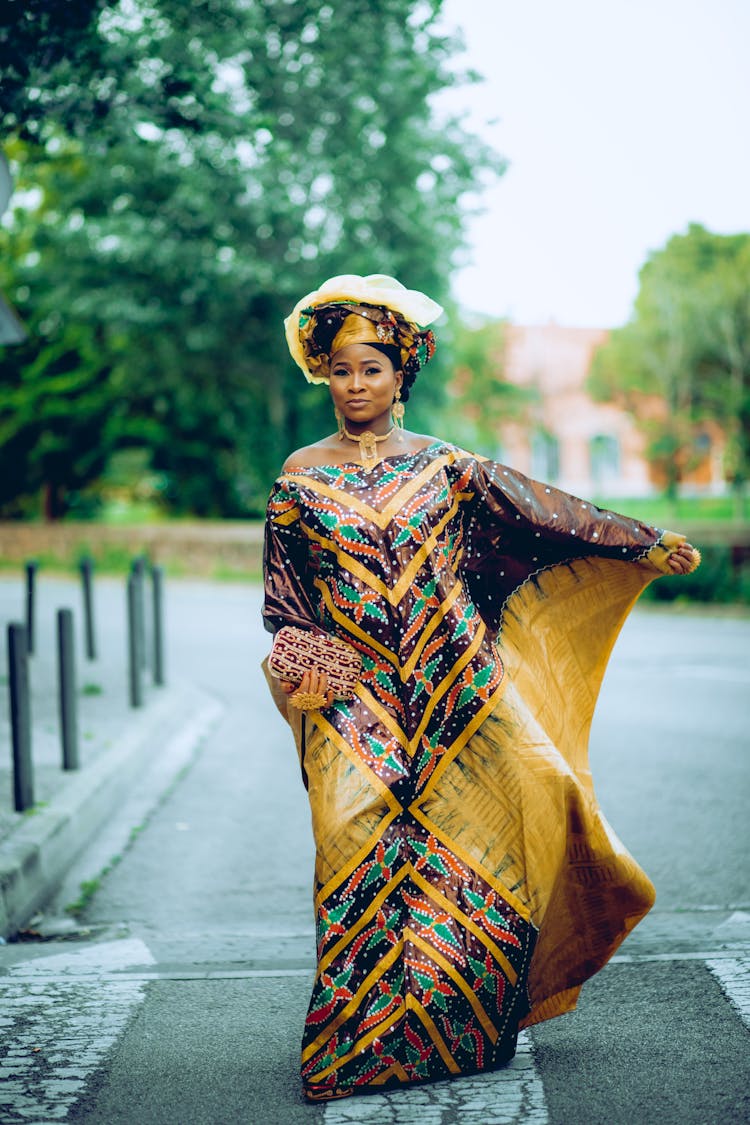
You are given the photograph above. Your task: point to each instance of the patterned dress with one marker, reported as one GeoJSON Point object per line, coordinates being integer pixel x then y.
{"type": "Point", "coordinates": [466, 881]}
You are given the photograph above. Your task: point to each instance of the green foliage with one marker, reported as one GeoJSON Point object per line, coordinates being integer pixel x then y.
{"type": "Point", "coordinates": [688, 343]}
{"type": "Point", "coordinates": [481, 400]}
{"type": "Point", "coordinates": [218, 161]}
{"type": "Point", "coordinates": [37, 38]}
{"type": "Point", "coordinates": [662, 511]}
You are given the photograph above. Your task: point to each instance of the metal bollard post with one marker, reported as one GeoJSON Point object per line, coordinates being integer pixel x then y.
{"type": "Point", "coordinates": [157, 588]}
{"type": "Point", "coordinates": [31, 569]}
{"type": "Point", "coordinates": [139, 571]}
{"type": "Point", "coordinates": [66, 680]}
{"type": "Point", "coordinates": [87, 568]}
{"type": "Point", "coordinates": [20, 717]}
{"type": "Point", "coordinates": [134, 659]}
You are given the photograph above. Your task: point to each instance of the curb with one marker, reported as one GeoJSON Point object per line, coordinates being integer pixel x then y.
{"type": "Point", "coordinates": [36, 858]}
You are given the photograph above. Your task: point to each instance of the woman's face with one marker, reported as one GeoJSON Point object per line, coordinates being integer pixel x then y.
{"type": "Point", "coordinates": [363, 385]}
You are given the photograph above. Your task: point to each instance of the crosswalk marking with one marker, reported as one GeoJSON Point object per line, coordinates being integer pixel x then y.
{"type": "Point", "coordinates": [733, 974]}
{"type": "Point", "coordinates": [59, 1023]}
{"type": "Point", "coordinates": [500, 1097]}
{"type": "Point", "coordinates": [61, 1015]}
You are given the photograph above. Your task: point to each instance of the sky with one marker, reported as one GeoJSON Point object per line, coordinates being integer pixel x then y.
{"type": "Point", "coordinates": [622, 121]}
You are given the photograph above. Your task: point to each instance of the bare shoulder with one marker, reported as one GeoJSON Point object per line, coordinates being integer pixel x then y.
{"type": "Point", "coordinates": [323, 452]}
{"type": "Point", "coordinates": [422, 441]}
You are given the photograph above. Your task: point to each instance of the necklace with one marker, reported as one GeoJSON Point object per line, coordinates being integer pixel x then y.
{"type": "Point", "coordinates": [368, 445]}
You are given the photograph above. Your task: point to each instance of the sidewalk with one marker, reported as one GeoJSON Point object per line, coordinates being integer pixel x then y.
{"type": "Point", "coordinates": [119, 747]}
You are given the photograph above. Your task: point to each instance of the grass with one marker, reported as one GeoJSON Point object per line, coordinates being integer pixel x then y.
{"type": "Point", "coordinates": [661, 512]}
{"type": "Point", "coordinates": [108, 560]}
{"type": "Point", "coordinates": [223, 573]}
{"type": "Point", "coordinates": [89, 887]}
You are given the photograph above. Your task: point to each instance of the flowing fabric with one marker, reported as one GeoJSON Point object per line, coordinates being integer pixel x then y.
{"type": "Point", "coordinates": [466, 882]}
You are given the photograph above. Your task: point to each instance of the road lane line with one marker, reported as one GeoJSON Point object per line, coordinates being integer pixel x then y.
{"type": "Point", "coordinates": [703, 955]}
{"type": "Point", "coordinates": [84, 975]}
{"type": "Point", "coordinates": [510, 1096]}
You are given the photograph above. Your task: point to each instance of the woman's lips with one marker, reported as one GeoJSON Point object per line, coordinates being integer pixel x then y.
{"type": "Point", "coordinates": [357, 402]}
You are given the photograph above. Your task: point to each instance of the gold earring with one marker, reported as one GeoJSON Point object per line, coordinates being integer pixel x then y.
{"type": "Point", "coordinates": [340, 422]}
{"type": "Point", "coordinates": [397, 414]}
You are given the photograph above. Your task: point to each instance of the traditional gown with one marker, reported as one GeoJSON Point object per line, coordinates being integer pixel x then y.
{"type": "Point", "coordinates": [466, 881]}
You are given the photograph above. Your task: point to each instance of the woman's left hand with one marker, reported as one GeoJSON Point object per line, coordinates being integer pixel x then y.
{"type": "Point", "coordinates": [683, 559]}
{"type": "Point", "coordinates": [311, 694]}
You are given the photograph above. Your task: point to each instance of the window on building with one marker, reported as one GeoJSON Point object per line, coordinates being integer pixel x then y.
{"type": "Point", "coordinates": [545, 455]}
{"type": "Point", "coordinates": [604, 453]}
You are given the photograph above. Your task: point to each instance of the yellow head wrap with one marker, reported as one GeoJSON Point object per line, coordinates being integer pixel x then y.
{"type": "Point", "coordinates": [355, 330]}
{"type": "Point", "coordinates": [361, 310]}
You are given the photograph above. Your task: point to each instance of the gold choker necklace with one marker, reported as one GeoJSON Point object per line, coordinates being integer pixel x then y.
{"type": "Point", "coordinates": [368, 445]}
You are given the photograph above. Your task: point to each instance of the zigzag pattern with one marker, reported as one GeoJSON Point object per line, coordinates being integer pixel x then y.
{"type": "Point", "coordinates": [421, 955]}
{"type": "Point", "coordinates": [448, 827]}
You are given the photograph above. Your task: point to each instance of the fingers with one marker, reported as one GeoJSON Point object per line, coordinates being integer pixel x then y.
{"type": "Point", "coordinates": [316, 681]}
{"type": "Point", "coordinates": [313, 682]}
{"type": "Point", "coordinates": [682, 558]}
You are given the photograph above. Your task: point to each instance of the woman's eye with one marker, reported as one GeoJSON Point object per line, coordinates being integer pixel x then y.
{"type": "Point", "coordinates": [373, 371]}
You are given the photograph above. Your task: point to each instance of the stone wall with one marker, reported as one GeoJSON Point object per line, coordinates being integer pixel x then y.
{"type": "Point", "coordinates": [218, 549]}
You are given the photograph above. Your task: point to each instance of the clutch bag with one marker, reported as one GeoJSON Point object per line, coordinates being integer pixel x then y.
{"type": "Point", "coordinates": [296, 651]}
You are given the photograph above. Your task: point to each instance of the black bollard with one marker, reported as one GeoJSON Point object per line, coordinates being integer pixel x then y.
{"type": "Point", "coordinates": [66, 679]}
{"type": "Point", "coordinates": [31, 569]}
{"type": "Point", "coordinates": [139, 573]}
{"type": "Point", "coordinates": [157, 589]}
{"type": "Point", "coordinates": [134, 660]}
{"type": "Point", "coordinates": [87, 569]}
{"type": "Point", "coordinates": [20, 717]}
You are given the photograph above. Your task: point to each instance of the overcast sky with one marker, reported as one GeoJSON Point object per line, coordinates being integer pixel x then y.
{"type": "Point", "coordinates": [623, 121]}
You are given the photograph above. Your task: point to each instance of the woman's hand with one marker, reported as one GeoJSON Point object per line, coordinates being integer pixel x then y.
{"type": "Point", "coordinates": [683, 559]}
{"type": "Point", "coordinates": [311, 693]}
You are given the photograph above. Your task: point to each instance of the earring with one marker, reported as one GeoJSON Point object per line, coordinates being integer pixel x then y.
{"type": "Point", "coordinates": [397, 413]}
{"type": "Point", "coordinates": [340, 422]}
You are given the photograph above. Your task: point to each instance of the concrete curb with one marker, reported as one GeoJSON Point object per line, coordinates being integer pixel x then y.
{"type": "Point", "coordinates": [36, 858]}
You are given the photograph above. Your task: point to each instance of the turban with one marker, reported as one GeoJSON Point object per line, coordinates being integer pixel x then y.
{"type": "Point", "coordinates": [360, 310]}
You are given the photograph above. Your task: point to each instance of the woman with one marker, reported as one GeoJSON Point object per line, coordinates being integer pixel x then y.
{"type": "Point", "coordinates": [466, 881]}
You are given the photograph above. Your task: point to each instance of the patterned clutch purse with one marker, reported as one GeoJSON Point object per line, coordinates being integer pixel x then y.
{"type": "Point", "coordinates": [295, 651]}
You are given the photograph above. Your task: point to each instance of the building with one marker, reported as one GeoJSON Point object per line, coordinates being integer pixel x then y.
{"type": "Point", "coordinates": [585, 447]}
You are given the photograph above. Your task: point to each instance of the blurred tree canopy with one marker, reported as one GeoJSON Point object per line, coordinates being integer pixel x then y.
{"type": "Point", "coordinates": [482, 397]}
{"type": "Point", "coordinates": [689, 343]}
{"type": "Point", "coordinates": [39, 38]}
{"type": "Point", "coordinates": [185, 173]}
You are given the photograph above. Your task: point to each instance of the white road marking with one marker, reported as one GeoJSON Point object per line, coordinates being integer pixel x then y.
{"type": "Point", "coordinates": [500, 1097]}
{"type": "Point", "coordinates": [736, 924]}
{"type": "Point", "coordinates": [702, 955]}
{"type": "Point", "coordinates": [733, 974]}
{"type": "Point", "coordinates": [86, 975]}
{"type": "Point", "coordinates": [60, 1017]}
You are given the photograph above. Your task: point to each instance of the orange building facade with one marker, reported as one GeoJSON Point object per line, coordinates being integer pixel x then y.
{"type": "Point", "coordinates": [585, 447]}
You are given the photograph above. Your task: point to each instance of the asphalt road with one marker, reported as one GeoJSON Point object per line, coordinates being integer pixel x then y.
{"type": "Point", "coordinates": [186, 1003]}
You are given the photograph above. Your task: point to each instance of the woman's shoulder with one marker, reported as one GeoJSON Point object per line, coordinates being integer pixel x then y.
{"type": "Point", "coordinates": [323, 452]}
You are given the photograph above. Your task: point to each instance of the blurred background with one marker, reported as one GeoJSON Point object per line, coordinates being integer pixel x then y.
{"type": "Point", "coordinates": [571, 182]}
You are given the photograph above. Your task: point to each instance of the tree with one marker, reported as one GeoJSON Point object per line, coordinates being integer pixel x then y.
{"type": "Point", "coordinates": [237, 155]}
{"type": "Point", "coordinates": [482, 400]}
{"type": "Point", "coordinates": [687, 347]}
{"type": "Point", "coordinates": [42, 40]}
